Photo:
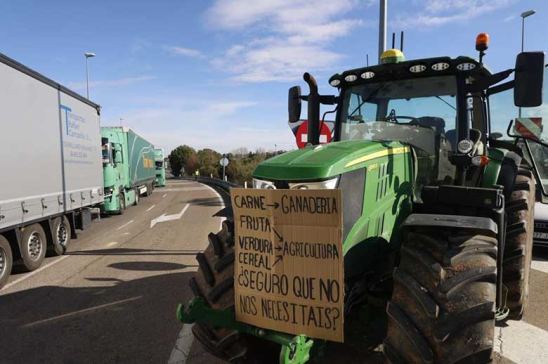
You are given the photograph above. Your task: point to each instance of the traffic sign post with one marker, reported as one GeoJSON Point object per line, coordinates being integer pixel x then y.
{"type": "Point", "coordinates": [224, 162]}
{"type": "Point", "coordinates": [302, 134]}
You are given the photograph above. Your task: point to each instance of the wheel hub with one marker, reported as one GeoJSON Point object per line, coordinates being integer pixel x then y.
{"type": "Point", "coordinates": [62, 234]}
{"type": "Point", "coordinates": [34, 246]}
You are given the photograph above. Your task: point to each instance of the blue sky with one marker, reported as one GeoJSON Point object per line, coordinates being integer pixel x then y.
{"type": "Point", "coordinates": [215, 73]}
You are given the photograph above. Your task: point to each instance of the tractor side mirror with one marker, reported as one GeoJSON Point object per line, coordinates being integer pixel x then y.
{"type": "Point", "coordinates": [528, 79]}
{"type": "Point", "coordinates": [294, 104]}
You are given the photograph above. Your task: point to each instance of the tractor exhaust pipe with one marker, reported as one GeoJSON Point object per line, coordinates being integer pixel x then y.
{"type": "Point", "coordinates": [313, 110]}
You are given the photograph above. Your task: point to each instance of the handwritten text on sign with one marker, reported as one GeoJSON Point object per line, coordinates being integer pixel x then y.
{"type": "Point", "coordinates": [289, 262]}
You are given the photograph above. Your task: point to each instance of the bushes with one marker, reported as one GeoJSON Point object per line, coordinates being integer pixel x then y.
{"type": "Point", "coordinates": [184, 161]}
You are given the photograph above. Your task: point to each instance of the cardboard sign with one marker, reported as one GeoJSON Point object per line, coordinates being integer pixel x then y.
{"type": "Point", "coordinates": [289, 273]}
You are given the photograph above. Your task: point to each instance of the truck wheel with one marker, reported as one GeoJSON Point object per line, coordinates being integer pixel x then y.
{"type": "Point", "coordinates": [214, 283]}
{"type": "Point", "coordinates": [137, 196]}
{"type": "Point", "coordinates": [518, 247]}
{"type": "Point", "coordinates": [121, 203]}
{"type": "Point", "coordinates": [443, 303]}
{"type": "Point", "coordinates": [33, 246]}
{"type": "Point", "coordinates": [61, 235]}
{"type": "Point", "coordinates": [6, 260]}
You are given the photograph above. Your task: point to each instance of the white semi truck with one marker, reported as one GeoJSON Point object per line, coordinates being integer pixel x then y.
{"type": "Point", "coordinates": [51, 170]}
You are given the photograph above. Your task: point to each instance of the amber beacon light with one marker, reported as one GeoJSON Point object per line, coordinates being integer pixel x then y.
{"type": "Point", "coordinates": [482, 42]}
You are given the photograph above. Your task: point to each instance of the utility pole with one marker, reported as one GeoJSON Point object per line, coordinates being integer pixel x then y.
{"type": "Point", "coordinates": [383, 14]}
{"type": "Point", "coordinates": [524, 15]}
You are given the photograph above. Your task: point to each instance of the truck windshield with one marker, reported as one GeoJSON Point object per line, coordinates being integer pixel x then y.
{"type": "Point", "coordinates": [413, 111]}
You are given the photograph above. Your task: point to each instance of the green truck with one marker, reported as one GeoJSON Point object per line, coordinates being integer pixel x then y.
{"type": "Point", "coordinates": [128, 168]}
{"type": "Point", "coordinates": [160, 180]}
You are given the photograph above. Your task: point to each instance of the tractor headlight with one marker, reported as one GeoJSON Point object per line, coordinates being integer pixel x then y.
{"type": "Point", "coordinates": [263, 185]}
{"type": "Point", "coordinates": [328, 184]}
{"type": "Point", "coordinates": [465, 146]}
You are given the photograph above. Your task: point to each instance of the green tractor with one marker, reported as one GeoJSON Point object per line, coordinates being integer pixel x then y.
{"type": "Point", "coordinates": [438, 211]}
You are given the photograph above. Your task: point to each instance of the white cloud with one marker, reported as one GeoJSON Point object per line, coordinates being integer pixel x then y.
{"type": "Point", "coordinates": [171, 121]}
{"type": "Point", "coordinates": [183, 51]}
{"type": "Point", "coordinates": [110, 83]}
{"type": "Point", "coordinates": [432, 13]}
{"type": "Point", "coordinates": [294, 36]}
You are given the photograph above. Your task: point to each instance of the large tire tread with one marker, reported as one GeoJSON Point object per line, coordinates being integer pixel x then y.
{"type": "Point", "coordinates": [214, 283]}
{"type": "Point", "coordinates": [443, 301]}
{"type": "Point", "coordinates": [518, 247]}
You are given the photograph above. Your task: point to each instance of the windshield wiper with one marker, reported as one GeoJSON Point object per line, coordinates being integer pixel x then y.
{"type": "Point", "coordinates": [446, 103]}
{"type": "Point", "coordinates": [368, 98]}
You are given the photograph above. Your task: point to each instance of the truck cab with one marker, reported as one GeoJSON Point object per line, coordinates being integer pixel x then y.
{"type": "Point", "coordinates": [159, 164]}
{"type": "Point", "coordinates": [128, 168]}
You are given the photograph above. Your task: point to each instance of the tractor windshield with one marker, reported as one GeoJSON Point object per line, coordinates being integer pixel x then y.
{"type": "Point", "coordinates": [413, 111]}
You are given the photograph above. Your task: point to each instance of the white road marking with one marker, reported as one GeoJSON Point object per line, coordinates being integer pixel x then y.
{"type": "Point", "coordinates": [85, 310]}
{"type": "Point", "coordinates": [112, 243]}
{"type": "Point", "coordinates": [540, 265]}
{"type": "Point", "coordinates": [164, 195]}
{"type": "Point", "coordinates": [124, 225]}
{"type": "Point", "coordinates": [523, 343]}
{"type": "Point", "coordinates": [179, 354]}
{"type": "Point", "coordinates": [28, 275]}
{"type": "Point", "coordinates": [150, 208]}
{"type": "Point", "coordinates": [164, 217]}
{"type": "Point", "coordinates": [219, 197]}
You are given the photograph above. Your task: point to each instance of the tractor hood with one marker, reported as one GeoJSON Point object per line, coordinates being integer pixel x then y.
{"type": "Point", "coordinates": [325, 161]}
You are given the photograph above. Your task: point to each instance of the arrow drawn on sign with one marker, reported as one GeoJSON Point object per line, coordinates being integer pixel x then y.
{"type": "Point", "coordinates": [280, 238]}
{"type": "Point", "coordinates": [164, 217]}
{"type": "Point", "coordinates": [275, 205]}
{"type": "Point", "coordinates": [279, 258]}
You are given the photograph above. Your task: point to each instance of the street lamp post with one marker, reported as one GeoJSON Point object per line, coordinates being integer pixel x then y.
{"type": "Point", "coordinates": [524, 15]}
{"type": "Point", "coordinates": [88, 55]}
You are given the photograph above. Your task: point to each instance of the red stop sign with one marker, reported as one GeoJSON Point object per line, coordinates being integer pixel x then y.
{"type": "Point", "coordinates": [302, 134]}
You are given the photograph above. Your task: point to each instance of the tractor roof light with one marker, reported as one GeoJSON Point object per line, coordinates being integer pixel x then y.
{"type": "Point", "coordinates": [482, 42]}
{"type": "Point", "coordinates": [466, 66]}
{"type": "Point", "coordinates": [367, 75]}
{"type": "Point", "coordinates": [440, 66]}
{"type": "Point", "coordinates": [350, 78]}
{"type": "Point", "coordinates": [392, 56]}
{"type": "Point", "coordinates": [417, 68]}
{"type": "Point", "coordinates": [335, 82]}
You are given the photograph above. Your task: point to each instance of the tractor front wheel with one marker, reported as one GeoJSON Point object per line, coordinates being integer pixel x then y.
{"type": "Point", "coordinates": [214, 283]}
{"type": "Point", "coordinates": [443, 303]}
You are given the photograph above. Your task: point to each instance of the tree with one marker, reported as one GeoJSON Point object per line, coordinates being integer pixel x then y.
{"type": "Point", "coordinates": [183, 157]}
{"type": "Point", "coordinates": [208, 160]}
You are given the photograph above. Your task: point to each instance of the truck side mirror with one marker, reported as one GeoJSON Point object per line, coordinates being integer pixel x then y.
{"type": "Point", "coordinates": [118, 157]}
{"type": "Point", "coordinates": [294, 104]}
{"type": "Point", "coordinates": [528, 79]}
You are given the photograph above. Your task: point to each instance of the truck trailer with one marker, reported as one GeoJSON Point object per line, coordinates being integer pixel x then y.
{"type": "Point", "coordinates": [51, 168]}
{"type": "Point", "coordinates": [160, 167]}
{"type": "Point", "coordinates": [128, 166]}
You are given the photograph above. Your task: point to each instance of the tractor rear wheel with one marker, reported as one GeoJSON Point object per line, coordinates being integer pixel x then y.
{"type": "Point", "coordinates": [518, 247]}
{"type": "Point", "coordinates": [443, 303]}
{"type": "Point", "coordinates": [214, 283]}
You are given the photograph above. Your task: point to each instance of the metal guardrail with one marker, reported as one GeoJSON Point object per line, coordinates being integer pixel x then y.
{"type": "Point", "coordinates": [225, 185]}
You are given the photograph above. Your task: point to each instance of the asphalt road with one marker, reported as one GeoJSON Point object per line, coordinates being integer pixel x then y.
{"type": "Point", "coordinates": [112, 298]}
